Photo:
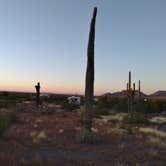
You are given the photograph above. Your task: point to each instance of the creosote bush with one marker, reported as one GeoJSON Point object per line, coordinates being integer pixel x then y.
{"type": "Point", "coordinates": [135, 117]}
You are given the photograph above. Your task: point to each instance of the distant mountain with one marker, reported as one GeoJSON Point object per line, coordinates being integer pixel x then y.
{"type": "Point", "coordinates": [118, 94]}
{"type": "Point", "coordinates": [142, 94]}
{"type": "Point", "coordinates": [159, 93]}
{"type": "Point", "coordinates": [121, 94]}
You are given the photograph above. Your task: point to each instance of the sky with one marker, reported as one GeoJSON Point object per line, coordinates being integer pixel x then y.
{"type": "Point", "coordinates": [46, 41]}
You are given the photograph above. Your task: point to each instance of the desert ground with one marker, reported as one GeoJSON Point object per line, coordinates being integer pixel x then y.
{"type": "Point", "coordinates": [40, 138]}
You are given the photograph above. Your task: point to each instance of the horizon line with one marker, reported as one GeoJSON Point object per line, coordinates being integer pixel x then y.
{"type": "Point", "coordinates": [71, 93]}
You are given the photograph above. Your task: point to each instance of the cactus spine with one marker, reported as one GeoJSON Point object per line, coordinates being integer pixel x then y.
{"type": "Point", "coordinates": [89, 88]}
{"type": "Point", "coordinates": [37, 87]}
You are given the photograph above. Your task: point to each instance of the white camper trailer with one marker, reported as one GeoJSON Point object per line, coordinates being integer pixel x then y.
{"type": "Point", "coordinates": [76, 100]}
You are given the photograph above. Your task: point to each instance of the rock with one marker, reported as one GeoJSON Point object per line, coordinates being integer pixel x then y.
{"type": "Point", "coordinates": [35, 125]}
{"type": "Point", "coordinates": [61, 131]}
{"type": "Point", "coordinates": [42, 135]}
{"type": "Point", "coordinates": [94, 130]}
{"type": "Point", "coordinates": [38, 137]}
{"type": "Point", "coordinates": [39, 120]}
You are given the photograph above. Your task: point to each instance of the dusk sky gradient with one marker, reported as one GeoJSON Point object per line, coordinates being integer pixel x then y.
{"type": "Point", "coordinates": [46, 41]}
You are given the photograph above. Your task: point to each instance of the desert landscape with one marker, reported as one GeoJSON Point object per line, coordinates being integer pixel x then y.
{"type": "Point", "coordinates": [53, 114]}
{"type": "Point", "coordinates": [51, 135]}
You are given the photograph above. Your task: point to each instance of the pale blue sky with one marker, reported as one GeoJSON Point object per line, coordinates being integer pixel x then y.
{"type": "Point", "coordinates": [46, 41]}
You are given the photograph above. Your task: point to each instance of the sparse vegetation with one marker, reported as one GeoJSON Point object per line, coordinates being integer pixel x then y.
{"type": "Point", "coordinates": [4, 124]}
{"type": "Point", "coordinates": [88, 138]}
{"type": "Point", "coordinates": [136, 117]}
{"type": "Point", "coordinates": [6, 120]}
{"type": "Point", "coordinates": [66, 105]}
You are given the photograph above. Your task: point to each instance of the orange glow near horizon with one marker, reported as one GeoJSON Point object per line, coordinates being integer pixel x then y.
{"type": "Point", "coordinates": [55, 88]}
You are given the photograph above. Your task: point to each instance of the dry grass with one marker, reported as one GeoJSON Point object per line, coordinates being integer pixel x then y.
{"type": "Point", "coordinates": [155, 132]}
{"type": "Point", "coordinates": [157, 141]}
{"type": "Point", "coordinates": [158, 119]}
{"type": "Point", "coordinates": [119, 117]}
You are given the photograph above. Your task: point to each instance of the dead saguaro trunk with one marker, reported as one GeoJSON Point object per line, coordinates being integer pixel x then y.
{"type": "Point", "coordinates": [37, 87]}
{"type": "Point", "coordinates": [89, 87]}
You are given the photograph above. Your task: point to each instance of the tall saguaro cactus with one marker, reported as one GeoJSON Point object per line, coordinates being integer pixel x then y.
{"type": "Point", "coordinates": [37, 87]}
{"type": "Point", "coordinates": [130, 94]}
{"type": "Point", "coordinates": [89, 82]}
{"type": "Point", "coordinates": [139, 89]}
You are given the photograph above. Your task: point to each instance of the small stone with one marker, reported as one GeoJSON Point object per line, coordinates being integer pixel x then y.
{"type": "Point", "coordinates": [35, 126]}
{"type": "Point", "coordinates": [61, 131]}
{"type": "Point", "coordinates": [39, 121]}
{"type": "Point", "coordinates": [94, 130]}
{"type": "Point", "coordinates": [42, 135]}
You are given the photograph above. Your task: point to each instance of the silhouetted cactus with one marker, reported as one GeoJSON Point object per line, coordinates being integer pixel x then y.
{"type": "Point", "coordinates": [37, 87]}
{"type": "Point", "coordinates": [139, 89]}
{"type": "Point", "coordinates": [130, 94]}
{"type": "Point", "coordinates": [89, 87]}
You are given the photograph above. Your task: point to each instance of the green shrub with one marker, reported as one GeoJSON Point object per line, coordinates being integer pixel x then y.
{"type": "Point", "coordinates": [136, 117]}
{"type": "Point", "coordinates": [150, 106]}
{"type": "Point", "coordinates": [115, 103]}
{"type": "Point", "coordinates": [4, 124]}
{"type": "Point", "coordinates": [121, 106]}
{"type": "Point", "coordinates": [101, 111]}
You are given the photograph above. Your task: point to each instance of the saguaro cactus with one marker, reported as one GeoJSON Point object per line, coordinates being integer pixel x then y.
{"type": "Point", "coordinates": [130, 94]}
{"type": "Point", "coordinates": [89, 84]}
{"type": "Point", "coordinates": [37, 87]}
{"type": "Point", "coordinates": [139, 89]}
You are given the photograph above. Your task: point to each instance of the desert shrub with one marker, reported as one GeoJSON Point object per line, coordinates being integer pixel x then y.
{"type": "Point", "coordinates": [13, 116]}
{"type": "Point", "coordinates": [104, 103]}
{"type": "Point", "coordinates": [101, 111]}
{"type": "Point", "coordinates": [115, 104]}
{"type": "Point", "coordinates": [66, 105]}
{"type": "Point", "coordinates": [136, 117]}
{"type": "Point", "coordinates": [121, 106]}
{"type": "Point", "coordinates": [6, 120]}
{"type": "Point", "coordinates": [147, 107]}
{"type": "Point", "coordinates": [129, 130]}
{"type": "Point", "coordinates": [161, 105]}
{"type": "Point", "coordinates": [86, 137]}
{"type": "Point", "coordinates": [4, 124]}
